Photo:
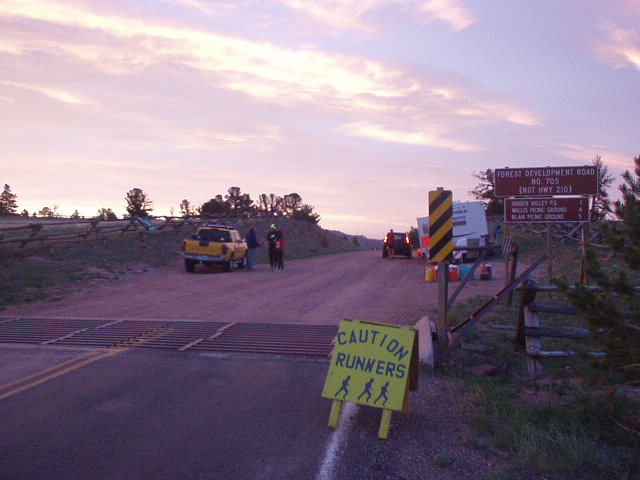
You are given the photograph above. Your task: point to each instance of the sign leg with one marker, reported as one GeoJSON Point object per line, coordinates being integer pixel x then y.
{"type": "Point", "coordinates": [385, 424]}
{"type": "Point", "coordinates": [441, 324]}
{"type": "Point", "coordinates": [334, 417]}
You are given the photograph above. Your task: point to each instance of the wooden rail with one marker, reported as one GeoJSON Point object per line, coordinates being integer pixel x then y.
{"type": "Point", "coordinates": [529, 332]}
{"type": "Point", "coordinates": [37, 234]}
{"type": "Point", "coordinates": [564, 231]}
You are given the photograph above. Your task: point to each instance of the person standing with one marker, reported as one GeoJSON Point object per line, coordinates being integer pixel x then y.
{"type": "Point", "coordinates": [390, 243]}
{"type": "Point", "coordinates": [272, 236]}
{"type": "Point", "coordinates": [280, 252]}
{"type": "Point", "coordinates": [252, 246]}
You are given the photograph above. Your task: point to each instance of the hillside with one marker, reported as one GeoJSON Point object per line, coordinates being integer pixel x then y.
{"type": "Point", "coordinates": [48, 271]}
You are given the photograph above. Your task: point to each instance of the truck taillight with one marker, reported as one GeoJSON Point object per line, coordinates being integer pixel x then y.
{"type": "Point", "coordinates": [224, 249]}
{"type": "Point", "coordinates": [406, 239]}
{"type": "Point", "coordinates": [184, 246]}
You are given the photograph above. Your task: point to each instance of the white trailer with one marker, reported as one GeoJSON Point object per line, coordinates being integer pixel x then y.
{"type": "Point", "coordinates": [469, 230]}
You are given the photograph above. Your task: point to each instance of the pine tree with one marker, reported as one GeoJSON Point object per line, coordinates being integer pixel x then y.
{"type": "Point", "coordinates": [8, 204]}
{"type": "Point", "coordinates": [138, 204]}
{"type": "Point", "coordinates": [485, 192]}
{"type": "Point", "coordinates": [613, 312]}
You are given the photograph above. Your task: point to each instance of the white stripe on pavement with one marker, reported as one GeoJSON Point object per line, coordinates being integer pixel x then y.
{"type": "Point", "coordinates": [338, 437]}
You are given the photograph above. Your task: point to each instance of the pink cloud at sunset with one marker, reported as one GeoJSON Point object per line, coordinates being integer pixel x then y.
{"type": "Point", "coordinates": [361, 107]}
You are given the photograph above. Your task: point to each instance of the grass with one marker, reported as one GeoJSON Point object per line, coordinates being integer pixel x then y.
{"type": "Point", "coordinates": [574, 435]}
{"type": "Point", "coordinates": [45, 272]}
{"type": "Point", "coordinates": [444, 459]}
{"type": "Point", "coordinates": [48, 272]}
{"type": "Point", "coordinates": [574, 422]}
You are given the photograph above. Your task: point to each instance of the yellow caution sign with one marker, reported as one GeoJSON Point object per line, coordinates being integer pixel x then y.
{"type": "Point", "coordinates": [372, 364]}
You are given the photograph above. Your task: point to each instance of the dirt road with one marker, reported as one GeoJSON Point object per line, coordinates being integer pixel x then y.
{"type": "Point", "coordinates": [319, 290]}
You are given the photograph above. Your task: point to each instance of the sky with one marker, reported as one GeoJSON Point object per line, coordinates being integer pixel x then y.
{"type": "Point", "coordinates": [360, 106]}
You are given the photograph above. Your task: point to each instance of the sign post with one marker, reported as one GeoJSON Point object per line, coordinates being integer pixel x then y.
{"type": "Point", "coordinates": [372, 364]}
{"type": "Point", "coordinates": [441, 252]}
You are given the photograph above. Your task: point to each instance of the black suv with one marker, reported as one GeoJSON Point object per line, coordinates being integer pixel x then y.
{"type": "Point", "coordinates": [402, 245]}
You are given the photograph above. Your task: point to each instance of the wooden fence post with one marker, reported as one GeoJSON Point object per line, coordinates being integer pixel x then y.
{"type": "Point", "coordinates": [512, 270]}
{"type": "Point", "coordinates": [549, 253]}
{"type": "Point", "coordinates": [534, 365]}
{"type": "Point", "coordinates": [528, 297]}
{"type": "Point", "coordinates": [507, 256]}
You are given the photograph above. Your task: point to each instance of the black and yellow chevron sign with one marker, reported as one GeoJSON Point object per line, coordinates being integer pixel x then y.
{"type": "Point", "coordinates": [440, 226]}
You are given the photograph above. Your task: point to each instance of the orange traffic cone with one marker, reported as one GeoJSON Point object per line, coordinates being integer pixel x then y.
{"type": "Point", "coordinates": [484, 271]}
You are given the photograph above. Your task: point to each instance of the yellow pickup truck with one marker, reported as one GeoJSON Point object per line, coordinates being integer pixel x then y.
{"type": "Point", "coordinates": [215, 245]}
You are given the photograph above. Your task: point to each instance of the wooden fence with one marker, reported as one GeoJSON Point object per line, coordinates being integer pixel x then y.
{"type": "Point", "coordinates": [529, 330]}
{"type": "Point", "coordinates": [569, 231]}
{"type": "Point", "coordinates": [16, 234]}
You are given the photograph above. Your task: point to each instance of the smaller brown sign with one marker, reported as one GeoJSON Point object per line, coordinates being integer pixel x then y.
{"type": "Point", "coordinates": [546, 181]}
{"type": "Point", "coordinates": [546, 210]}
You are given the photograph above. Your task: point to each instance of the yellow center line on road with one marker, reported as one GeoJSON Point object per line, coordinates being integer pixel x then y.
{"type": "Point", "coordinates": [46, 370]}
{"type": "Point", "coordinates": [46, 378]}
{"type": "Point", "coordinates": [76, 363]}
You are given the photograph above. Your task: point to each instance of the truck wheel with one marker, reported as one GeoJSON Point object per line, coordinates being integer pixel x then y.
{"type": "Point", "coordinates": [243, 262]}
{"type": "Point", "coordinates": [189, 265]}
{"type": "Point", "coordinates": [228, 265]}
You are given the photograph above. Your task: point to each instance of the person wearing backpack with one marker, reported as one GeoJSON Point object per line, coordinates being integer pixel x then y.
{"type": "Point", "coordinates": [279, 252]}
{"type": "Point", "coordinates": [272, 236]}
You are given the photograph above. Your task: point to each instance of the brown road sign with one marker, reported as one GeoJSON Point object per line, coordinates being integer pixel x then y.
{"type": "Point", "coordinates": [546, 210]}
{"type": "Point", "coordinates": [546, 181]}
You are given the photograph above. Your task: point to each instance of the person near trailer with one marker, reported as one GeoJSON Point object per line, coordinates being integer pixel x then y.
{"type": "Point", "coordinates": [272, 236]}
{"type": "Point", "coordinates": [279, 253]}
{"type": "Point", "coordinates": [390, 243]}
{"type": "Point", "coordinates": [252, 248]}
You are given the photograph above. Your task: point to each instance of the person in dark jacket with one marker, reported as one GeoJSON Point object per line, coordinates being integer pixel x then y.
{"type": "Point", "coordinates": [252, 246]}
{"type": "Point", "coordinates": [272, 236]}
{"type": "Point", "coordinates": [279, 253]}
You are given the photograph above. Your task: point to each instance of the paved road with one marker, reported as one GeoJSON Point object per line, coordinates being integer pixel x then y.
{"type": "Point", "coordinates": [161, 415]}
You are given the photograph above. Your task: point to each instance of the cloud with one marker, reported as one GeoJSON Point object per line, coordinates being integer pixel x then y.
{"type": "Point", "coordinates": [585, 154]}
{"type": "Point", "coordinates": [342, 14]}
{"type": "Point", "coordinates": [333, 84]}
{"type": "Point", "coordinates": [53, 93]}
{"type": "Point", "coordinates": [452, 12]}
{"type": "Point", "coordinates": [620, 47]}
{"type": "Point", "coordinates": [351, 14]}
{"type": "Point", "coordinates": [423, 137]}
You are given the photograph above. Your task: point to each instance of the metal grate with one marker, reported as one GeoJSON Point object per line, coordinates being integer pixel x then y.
{"type": "Point", "coordinates": [177, 335]}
